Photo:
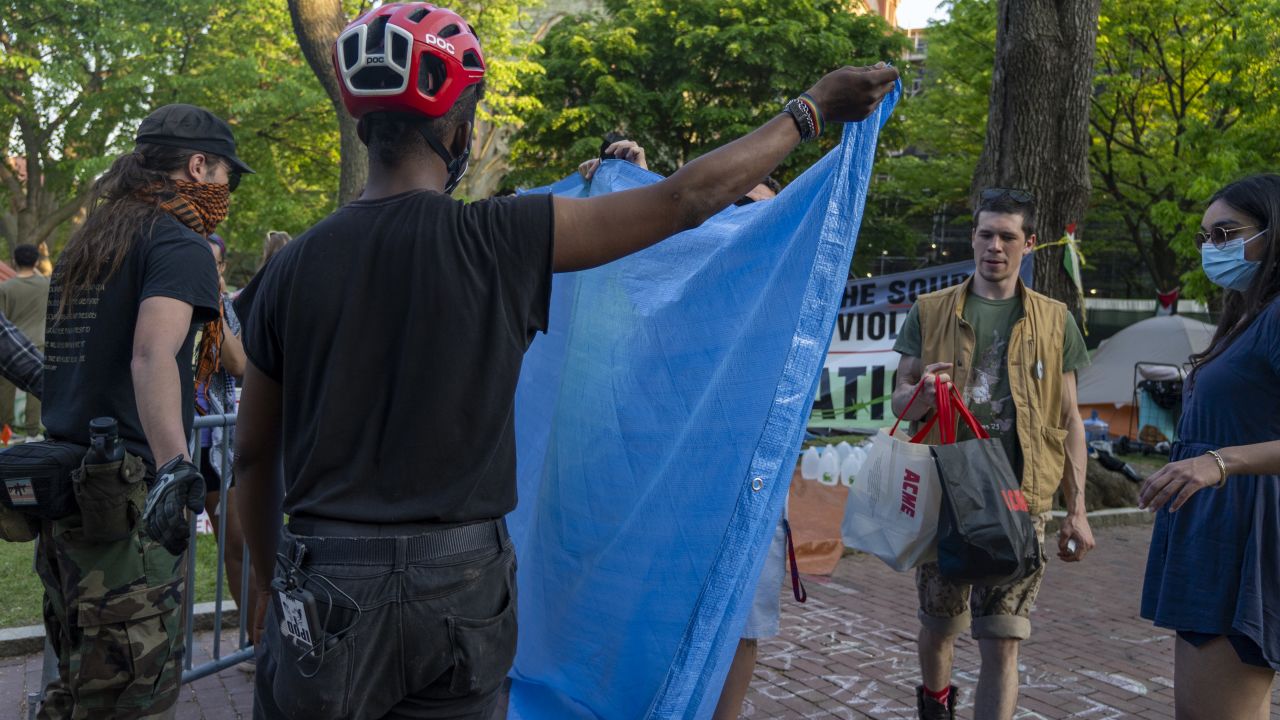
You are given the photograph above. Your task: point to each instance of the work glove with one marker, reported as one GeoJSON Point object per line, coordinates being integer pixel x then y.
{"type": "Point", "coordinates": [178, 485]}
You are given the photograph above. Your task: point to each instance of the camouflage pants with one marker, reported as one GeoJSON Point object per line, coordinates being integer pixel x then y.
{"type": "Point", "coordinates": [113, 614]}
{"type": "Point", "coordinates": [994, 611]}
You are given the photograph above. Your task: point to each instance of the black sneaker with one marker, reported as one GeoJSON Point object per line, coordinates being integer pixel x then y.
{"type": "Point", "coordinates": [931, 709]}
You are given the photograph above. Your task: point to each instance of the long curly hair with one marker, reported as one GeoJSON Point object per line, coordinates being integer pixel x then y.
{"type": "Point", "coordinates": [124, 200]}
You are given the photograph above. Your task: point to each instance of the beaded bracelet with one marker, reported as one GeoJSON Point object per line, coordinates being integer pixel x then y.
{"type": "Point", "coordinates": [808, 118]}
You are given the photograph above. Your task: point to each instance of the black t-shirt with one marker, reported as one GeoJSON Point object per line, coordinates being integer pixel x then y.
{"type": "Point", "coordinates": [396, 328]}
{"type": "Point", "coordinates": [89, 351]}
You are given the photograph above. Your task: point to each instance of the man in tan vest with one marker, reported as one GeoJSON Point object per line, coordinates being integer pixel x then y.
{"type": "Point", "coordinates": [1013, 354]}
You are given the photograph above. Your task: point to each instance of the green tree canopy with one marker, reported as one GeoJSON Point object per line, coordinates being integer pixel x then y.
{"type": "Point", "coordinates": [77, 78]}
{"type": "Point", "coordinates": [684, 77]}
{"type": "Point", "coordinates": [1187, 99]}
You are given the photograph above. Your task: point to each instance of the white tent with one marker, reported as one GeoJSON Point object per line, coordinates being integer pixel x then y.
{"type": "Point", "coordinates": [1170, 339]}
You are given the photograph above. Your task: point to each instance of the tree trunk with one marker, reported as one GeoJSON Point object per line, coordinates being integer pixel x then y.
{"type": "Point", "coordinates": [1038, 121]}
{"type": "Point", "coordinates": [489, 152]}
{"type": "Point", "coordinates": [317, 24]}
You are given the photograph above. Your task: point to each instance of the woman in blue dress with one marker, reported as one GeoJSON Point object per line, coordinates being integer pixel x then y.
{"type": "Point", "coordinates": [1213, 573]}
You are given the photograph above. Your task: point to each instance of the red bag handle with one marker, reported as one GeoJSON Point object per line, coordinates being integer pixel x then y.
{"type": "Point", "coordinates": [958, 405]}
{"type": "Point", "coordinates": [910, 402]}
{"type": "Point", "coordinates": [943, 415]}
{"type": "Point", "coordinates": [946, 416]}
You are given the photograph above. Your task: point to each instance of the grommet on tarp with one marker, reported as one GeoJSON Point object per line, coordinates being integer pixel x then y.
{"type": "Point", "coordinates": [757, 484]}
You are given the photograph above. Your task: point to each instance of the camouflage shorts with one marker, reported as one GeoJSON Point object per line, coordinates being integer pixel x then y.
{"type": "Point", "coordinates": [113, 614]}
{"type": "Point", "coordinates": [1002, 611]}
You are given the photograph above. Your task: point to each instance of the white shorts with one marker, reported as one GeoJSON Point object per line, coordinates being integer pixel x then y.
{"type": "Point", "coordinates": [762, 621]}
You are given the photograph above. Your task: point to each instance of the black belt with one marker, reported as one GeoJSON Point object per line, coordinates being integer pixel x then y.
{"type": "Point", "coordinates": [387, 550]}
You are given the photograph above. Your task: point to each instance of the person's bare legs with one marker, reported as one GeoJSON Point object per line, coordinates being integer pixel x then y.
{"type": "Point", "coordinates": [936, 655]}
{"type": "Point", "coordinates": [737, 682]}
{"type": "Point", "coordinates": [997, 695]}
{"type": "Point", "coordinates": [1210, 683]}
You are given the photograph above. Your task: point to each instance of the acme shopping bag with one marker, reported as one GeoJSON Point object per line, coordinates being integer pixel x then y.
{"type": "Point", "coordinates": [892, 510]}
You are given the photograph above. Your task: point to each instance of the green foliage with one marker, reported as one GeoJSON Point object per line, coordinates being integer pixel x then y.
{"type": "Point", "coordinates": [1186, 101]}
{"type": "Point", "coordinates": [683, 78]}
{"type": "Point", "coordinates": [510, 53]}
{"type": "Point", "coordinates": [941, 129]}
{"type": "Point", "coordinates": [77, 77]}
{"type": "Point", "coordinates": [1187, 94]}
{"type": "Point", "coordinates": [243, 63]}
{"type": "Point", "coordinates": [946, 123]}
{"type": "Point", "coordinates": [80, 75]}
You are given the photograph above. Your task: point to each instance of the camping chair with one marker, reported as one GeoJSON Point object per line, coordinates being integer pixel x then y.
{"type": "Point", "coordinates": [1157, 396]}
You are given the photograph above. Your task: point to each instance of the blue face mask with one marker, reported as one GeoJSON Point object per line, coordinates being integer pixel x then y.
{"type": "Point", "coordinates": [1227, 267]}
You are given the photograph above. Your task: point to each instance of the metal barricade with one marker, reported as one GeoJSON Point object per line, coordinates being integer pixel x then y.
{"type": "Point", "coordinates": [244, 650]}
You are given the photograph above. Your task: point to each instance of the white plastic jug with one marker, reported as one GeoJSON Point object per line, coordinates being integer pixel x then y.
{"type": "Point", "coordinates": [851, 465]}
{"type": "Point", "coordinates": [829, 469]}
{"type": "Point", "coordinates": [849, 470]}
{"type": "Point", "coordinates": [860, 452]}
{"type": "Point", "coordinates": [810, 463]}
{"type": "Point", "coordinates": [845, 450]}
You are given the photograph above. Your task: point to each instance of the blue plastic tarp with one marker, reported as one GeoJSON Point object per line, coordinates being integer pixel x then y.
{"type": "Point", "coordinates": [657, 428]}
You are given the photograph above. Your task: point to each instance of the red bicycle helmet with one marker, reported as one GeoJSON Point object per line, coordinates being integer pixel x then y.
{"type": "Point", "coordinates": [406, 58]}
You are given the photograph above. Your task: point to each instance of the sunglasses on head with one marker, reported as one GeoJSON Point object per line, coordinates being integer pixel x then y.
{"type": "Point", "coordinates": [1018, 196]}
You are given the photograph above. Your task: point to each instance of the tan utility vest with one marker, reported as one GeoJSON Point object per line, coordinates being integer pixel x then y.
{"type": "Point", "coordinates": [1035, 376]}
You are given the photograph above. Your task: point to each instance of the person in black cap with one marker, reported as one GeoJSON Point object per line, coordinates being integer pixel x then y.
{"type": "Point", "coordinates": [126, 295]}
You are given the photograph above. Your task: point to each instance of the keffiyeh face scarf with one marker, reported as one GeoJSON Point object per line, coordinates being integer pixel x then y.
{"type": "Point", "coordinates": [200, 206]}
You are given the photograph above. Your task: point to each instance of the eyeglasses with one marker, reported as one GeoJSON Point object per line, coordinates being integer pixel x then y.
{"type": "Point", "coordinates": [1220, 236]}
{"type": "Point", "coordinates": [1018, 196]}
{"type": "Point", "coordinates": [233, 181]}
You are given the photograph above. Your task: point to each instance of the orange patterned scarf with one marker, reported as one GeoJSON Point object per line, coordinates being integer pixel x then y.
{"type": "Point", "coordinates": [200, 206]}
{"type": "Point", "coordinates": [209, 355]}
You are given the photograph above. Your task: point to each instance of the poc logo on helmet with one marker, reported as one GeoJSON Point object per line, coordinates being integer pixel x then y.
{"type": "Point", "coordinates": [376, 60]}
{"type": "Point", "coordinates": [440, 43]}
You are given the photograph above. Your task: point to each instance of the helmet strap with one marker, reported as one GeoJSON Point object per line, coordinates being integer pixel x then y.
{"type": "Point", "coordinates": [457, 166]}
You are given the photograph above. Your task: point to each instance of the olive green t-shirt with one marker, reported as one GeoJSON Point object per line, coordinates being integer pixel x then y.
{"type": "Point", "coordinates": [24, 301]}
{"type": "Point", "coordinates": [987, 392]}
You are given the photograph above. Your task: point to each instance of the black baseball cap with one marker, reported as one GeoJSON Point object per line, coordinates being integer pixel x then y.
{"type": "Point", "coordinates": [191, 128]}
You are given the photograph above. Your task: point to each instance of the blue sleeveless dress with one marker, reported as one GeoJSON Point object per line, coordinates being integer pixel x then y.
{"type": "Point", "coordinates": [1214, 566]}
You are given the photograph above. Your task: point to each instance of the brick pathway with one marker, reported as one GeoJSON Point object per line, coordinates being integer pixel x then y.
{"type": "Point", "coordinates": [850, 651]}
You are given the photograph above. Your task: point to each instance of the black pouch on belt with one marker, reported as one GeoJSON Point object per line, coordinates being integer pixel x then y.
{"type": "Point", "coordinates": [111, 496]}
{"type": "Point", "coordinates": [36, 478]}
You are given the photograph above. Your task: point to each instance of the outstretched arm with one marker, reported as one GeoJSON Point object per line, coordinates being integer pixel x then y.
{"type": "Point", "coordinates": [595, 231]}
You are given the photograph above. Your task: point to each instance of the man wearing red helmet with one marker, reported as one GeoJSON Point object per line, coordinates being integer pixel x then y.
{"type": "Point", "coordinates": [387, 381]}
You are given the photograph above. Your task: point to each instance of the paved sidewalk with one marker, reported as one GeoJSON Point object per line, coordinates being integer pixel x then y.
{"type": "Point", "coordinates": [850, 651]}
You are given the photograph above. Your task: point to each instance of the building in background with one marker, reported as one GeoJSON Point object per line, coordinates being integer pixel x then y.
{"type": "Point", "coordinates": [887, 9]}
